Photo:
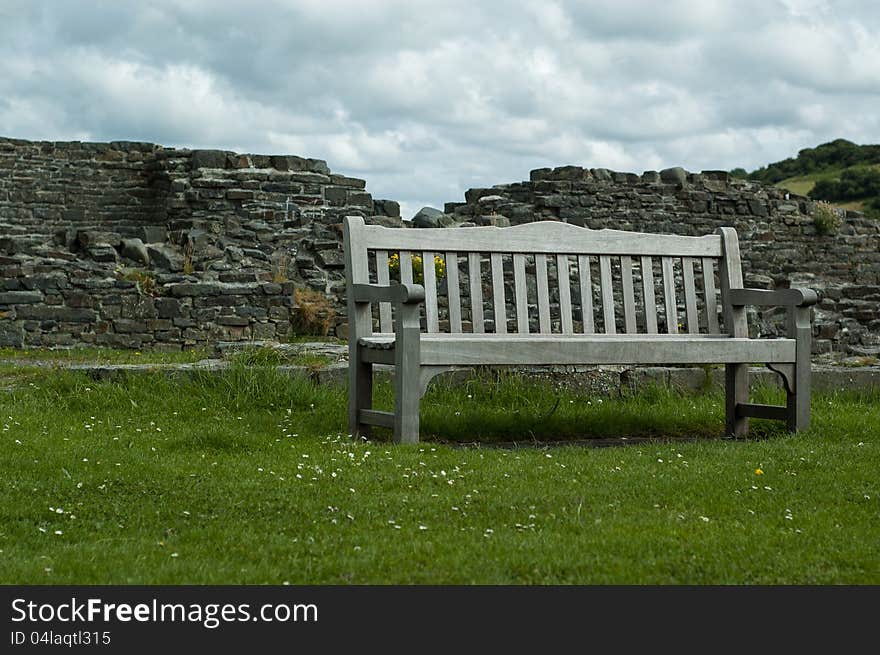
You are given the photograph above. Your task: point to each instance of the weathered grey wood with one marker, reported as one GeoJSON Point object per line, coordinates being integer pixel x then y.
{"type": "Point", "coordinates": [475, 282]}
{"type": "Point", "coordinates": [360, 322]}
{"type": "Point", "coordinates": [499, 305]}
{"type": "Point", "coordinates": [427, 373]}
{"type": "Point", "coordinates": [375, 417]}
{"type": "Point", "coordinates": [736, 392]}
{"type": "Point", "coordinates": [730, 273]}
{"type": "Point", "coordinates": [709, 289]}
{"type": "Point", "coordinates": [528, 350]}
{"type": "Point", "coordinates": [786, 372]}
{"type": "Point", "coordinates": [798, 402]}
{"type": "Point", "coordinates": [394, 293]}
{"type": "Point", "coordinates": [429, 273]}
{"type": "Point", "coordinates": [607, 294]}
{"type": "Point", "coordinates": [736, 375]}
{"type": "Point", "coordinates": [407, 359]}
{"type": "Point", "coordinates": [548, 237]}
{"type": "Point", "coordinates": [562, 277]}
{"type": "Point", "coordinates": [629, 301]}
{"type": "Point", "coordinates": [649, 297]}
{"type": "Point", "coordinates": [690, 295]}
{"type": "Point", "coordinates": [669, 295]}
{"type": "Point", "coordinates": [778, 297]}
{"type": "Point", "coordinates": [386, 341]}
{"type": "Point", "coordinates": [453, 293]}
{"type": "Point", "coordinates": [521, 293]}
{"type": "Point", "coordinates": [753, 410]}
{"type": "Point", "coordinates": [378, 356]}
{"type": "Point", "coordinates": [406, 272]}
{"type": "Point", "coordinates": [543, 293]}
{"type": "Point", "coordinates": [382, 276]}
{"type": "Point", "coordinates": [586, 287]}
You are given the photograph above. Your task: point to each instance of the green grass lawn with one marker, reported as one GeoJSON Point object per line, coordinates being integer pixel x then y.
{"type": "Point", "coordinates": [249, 478]}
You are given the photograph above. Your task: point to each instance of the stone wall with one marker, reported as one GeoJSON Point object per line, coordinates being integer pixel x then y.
{"type": "Point", "coordinates": [138, 245]}
{"type": "Point", "coordinates": [781, 246]}
{"type": "Point", "coordinates": [135, 245]}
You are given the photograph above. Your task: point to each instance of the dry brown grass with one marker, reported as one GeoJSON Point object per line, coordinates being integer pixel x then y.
{"type": "Point", "coordinates": [315, 314]}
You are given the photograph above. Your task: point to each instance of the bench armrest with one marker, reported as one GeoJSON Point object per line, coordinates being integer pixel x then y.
{"type": "Point", "coordinates": [779, 297]}
{"type": "Point", "coordinates": [395, 293]}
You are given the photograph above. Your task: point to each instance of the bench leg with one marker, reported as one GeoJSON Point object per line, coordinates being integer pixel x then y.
{"type": "Point", "coordinates": [798, 402]}
{"type": "Point", "coordinates": [736, 388]}
{"type": "Point", "coordinates": [360, 396]}
{"type": "Point", "coordinates": [407, 381]}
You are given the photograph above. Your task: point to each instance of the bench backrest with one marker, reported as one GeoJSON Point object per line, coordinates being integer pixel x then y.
{"type": "Point", "coordinates": [551, 277]}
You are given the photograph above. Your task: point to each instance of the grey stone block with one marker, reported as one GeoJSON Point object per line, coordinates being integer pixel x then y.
{"type": "Point", "coordinates": [208, 159]}
{"type": "Point", "coordinates": [20, 297]}
{"type": "Point", "coordinates": [674, 175]}
{"type": "Point", "coordinates": [135, 250]}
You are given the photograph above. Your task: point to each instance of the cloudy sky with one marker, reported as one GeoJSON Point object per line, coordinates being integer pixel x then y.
{"type": "Point", "coordinates": [425, 99]}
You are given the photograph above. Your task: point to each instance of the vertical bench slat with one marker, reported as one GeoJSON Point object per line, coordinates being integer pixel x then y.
{"type": "Point", "coordinates": [382, 277]}
{"type": "Point", "coordinates": [476, 289]}
{"type": "Point", "coordinates": [669, 296]}
{"type": "Point", "coordinates": [690, 295]}
{"type": "Point", "coordinates": [711, 300]}
{"type": "Point", "coordinates": [607, 294]}
{"type": "Point", "coordinates": [543, 293]}
{"type": "Point", "coordinates": [519, 287]}
{"type": "Point", "coordinates": [648, 295]}
{"type": "Point", "coordinates": [629, 301]}
{"type": "Point", "coordinates": [499, 303]}
{"type": "Point", "coordinates": [429, 273]}
{"type": "Point", "coordinates": [564, 280]}
{"type": "Point", "coordinates": [406, 276]}
{"type": "Point", "coordinates": [586, 286]}
{"type": "Point", "coordinates": [453, 293]}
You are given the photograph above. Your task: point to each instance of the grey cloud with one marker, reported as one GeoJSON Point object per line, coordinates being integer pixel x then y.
{"type": "Point", "coordinates": [424, 99]}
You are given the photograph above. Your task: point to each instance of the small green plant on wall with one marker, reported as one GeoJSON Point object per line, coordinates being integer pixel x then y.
{"type": "Point", "coordinates": [417, 267]}
{"type": "Point", "coordinates": [826, 218]}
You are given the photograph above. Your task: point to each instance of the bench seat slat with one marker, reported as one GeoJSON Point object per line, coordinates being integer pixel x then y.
{"type": "Point", "coordinates": [709, 289]}
{"type": "Point", "coordinates": [521, 292]}
{"type": "Point", "coordinates": [543, 293]}
{"type": "Point", "coordinates": [562, 277]}
{"type": "Point", "coordinates": [649, 298]}
{"type": "Point", "coordinates": [586, 288]}
{"type": "Point", "coordinates": [452, 292]}
{"type": "Point", "coordinates": [429, 273]}
{"type": "Point", "coordinates": [476, 290]}
{"type": "Point", "coordinates": [499, 305]}
{"type": "Point", "coordinates": [406, 274]}
{"type": "Point", "coordinates": [607, 294]}
{"type": "Point", "coordinates": [690, 295]}
{"type": "Point", "coordinates": [669, 296]}
{"type": "Point", "coordinates": [382, 277]}
{"type": "Point", "coordinates": [535, 350]}
{"type": "Point", "coordinates": [629, 302]}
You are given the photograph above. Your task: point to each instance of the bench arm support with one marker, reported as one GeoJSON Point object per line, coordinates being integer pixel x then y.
{"type": "Point", "coordinates": [778, 298]}
{"type": "Point", "coordinates": [395, 293]}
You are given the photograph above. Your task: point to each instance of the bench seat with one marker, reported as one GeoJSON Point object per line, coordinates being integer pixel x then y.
{"type": "Point", "coordinates": [575, 349]}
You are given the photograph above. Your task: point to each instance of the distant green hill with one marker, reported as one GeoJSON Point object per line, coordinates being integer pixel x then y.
{"type": "Point", "coordinates": [840, 172]}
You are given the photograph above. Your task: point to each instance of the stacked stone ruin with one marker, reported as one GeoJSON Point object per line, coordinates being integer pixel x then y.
{"type": "Point", "coordinates": [135, 245]}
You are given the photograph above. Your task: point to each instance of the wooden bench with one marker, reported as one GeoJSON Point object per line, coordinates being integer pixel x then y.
{"type": "Point", "coordinates": [617, 298]}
